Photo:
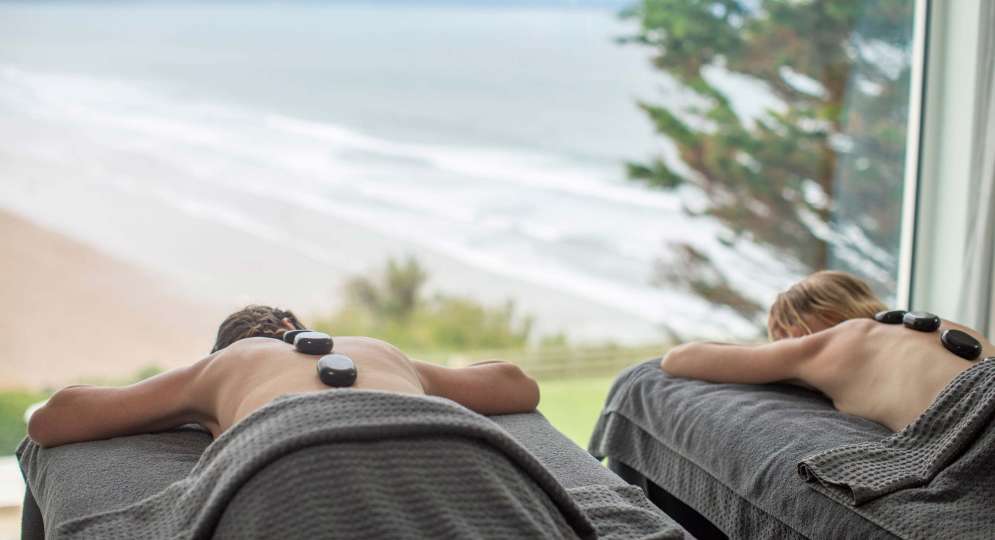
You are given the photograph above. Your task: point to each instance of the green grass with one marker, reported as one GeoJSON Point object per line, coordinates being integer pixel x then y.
{"type": "Point", "coordinates": [573, 405]}
{"type": "Point", "coordinates": [13, 403]}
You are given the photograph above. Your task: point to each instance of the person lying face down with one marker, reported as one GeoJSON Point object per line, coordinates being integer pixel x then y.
{"type": "Point", "coordinates": [823, 337]}
{"type": "Point", "coordinates": [247, 369]}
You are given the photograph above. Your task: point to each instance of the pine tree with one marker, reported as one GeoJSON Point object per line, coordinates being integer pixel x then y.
{"type": "Point", "coordinates": [818, 179]}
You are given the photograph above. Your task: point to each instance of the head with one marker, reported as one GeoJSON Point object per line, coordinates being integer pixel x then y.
{"type": "Point", "coordinates": [255, 321]}
{"type": "Point", "coordinates": [820, 301]}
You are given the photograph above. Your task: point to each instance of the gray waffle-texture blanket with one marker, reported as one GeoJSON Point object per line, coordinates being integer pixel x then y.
{"type": "Point", "coordinates": [947, 455]}
{"type": "Point", "coordinates": [392, 466]}
{"type": "Point", "coordinates": [731, 452]}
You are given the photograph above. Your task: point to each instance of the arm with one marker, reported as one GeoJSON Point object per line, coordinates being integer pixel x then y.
{"type": "Point", "coordinates": [778, 361]}
{"type": "Point", "coordinates": [486, 387]}
{"type": "Point", "coordinates": [84, 413]}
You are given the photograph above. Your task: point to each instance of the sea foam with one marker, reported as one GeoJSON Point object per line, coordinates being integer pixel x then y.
{"type": "Point", "coordinates": [546, 219]}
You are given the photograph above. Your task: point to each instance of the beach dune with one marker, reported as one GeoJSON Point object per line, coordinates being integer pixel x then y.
{"type": "Point", "coordinates": [73, 314]}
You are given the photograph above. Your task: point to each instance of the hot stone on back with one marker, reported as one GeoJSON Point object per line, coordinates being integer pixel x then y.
{"type": "Point", "coordinates": [890, 317]}
{"type": "Point", "coordinates": [961, 344]}
{"type": "Point", "coordinates": [313, 343]}
{"type": "Point", "coordinates": [290, 335]}
{"type": "Point", "coordinates": [922, 321]}
{"type": "Point", "coordinates": [337, 370]}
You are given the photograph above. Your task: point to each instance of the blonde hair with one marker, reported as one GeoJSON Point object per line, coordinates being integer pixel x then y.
{"type": "Point", "coordinates": [828, 296]}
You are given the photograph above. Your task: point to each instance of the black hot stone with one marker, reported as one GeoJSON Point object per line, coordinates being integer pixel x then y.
{"type": "Point", "coordinates": [289, 335]}
{"type": "Point", "coordinates": [890, 317]}
{"type": "Point", "coordinates": [922, 321]}
{"type": "Point", "coordinates": [961, 344]}
{"type": "Point", "coordinates": [313, 343]}
{"type": "Point", "coordinates": [337, 370]}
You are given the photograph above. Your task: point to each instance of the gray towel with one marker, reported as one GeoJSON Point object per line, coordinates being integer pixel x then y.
{"type": "Point", "coordinates": [957, 419]}
{"type": "Point", "coordinates": [490, 485]}
{"type": "Point", "coordinates": [731, 452]}
{"type": "Point", "coordinates": [946, 458]}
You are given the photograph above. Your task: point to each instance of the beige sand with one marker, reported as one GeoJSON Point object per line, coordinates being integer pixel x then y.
{"type": "Point", "coordinates": [10, 523]}
{"type": "Point", "coordinates": [70, 313]}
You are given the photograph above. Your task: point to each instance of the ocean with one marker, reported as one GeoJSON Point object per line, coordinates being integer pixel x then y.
{"type": "Point", "coordinates": [266, 151]}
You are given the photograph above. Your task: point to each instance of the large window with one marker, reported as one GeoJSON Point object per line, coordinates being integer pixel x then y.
{"type": "Point", "coordinates": [572, 186]}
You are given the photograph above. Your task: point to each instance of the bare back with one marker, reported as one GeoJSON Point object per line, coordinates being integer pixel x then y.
{"type": "Point", "coordinates": [252, 372]}
{"type": "Point", "coordinates": [885, 373]}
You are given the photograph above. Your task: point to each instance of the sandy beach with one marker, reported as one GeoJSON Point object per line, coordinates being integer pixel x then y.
{"type": "Point", "coordinates": [72, 313]}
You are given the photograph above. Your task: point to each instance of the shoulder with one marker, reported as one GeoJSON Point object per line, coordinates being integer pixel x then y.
{"type": "Point", "coordinates": [240, 351]}
{"type": "Point", "coordinates": [836, 352]}
{"type": "Point", "coordinates": [854, 326]}
{"type": "Point", "coordinates": [814, 352]}
{"type": "Point", "coordinates": [372, 350]}
{"type": "Point", "coordinates": [844, 336]}
{"type": "Point", "coordinates": [369, 343]}
{"type": "Point", "coordinates": [206, 374]}
{"type": "Point", "coordinates": [849, 335]}
{"type": "Point", "coordinates": [251, 344]}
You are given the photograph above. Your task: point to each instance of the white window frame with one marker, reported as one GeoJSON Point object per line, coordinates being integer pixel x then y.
{"type": "Point", "coordinates": [937, 221]}
{"type": "Point", "coordinates": [913, 154]}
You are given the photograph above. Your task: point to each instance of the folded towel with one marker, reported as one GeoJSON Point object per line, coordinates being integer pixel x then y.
{"type": "Point", "coordinates": [463, 476]}
{"type": "Point", "coordinates": [957, 419]}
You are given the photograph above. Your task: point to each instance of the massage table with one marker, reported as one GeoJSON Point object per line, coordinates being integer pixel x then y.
{"type": "Point", "coordinates": [723, 460]}
{"type": "Point", "coordinates": [67, 483]}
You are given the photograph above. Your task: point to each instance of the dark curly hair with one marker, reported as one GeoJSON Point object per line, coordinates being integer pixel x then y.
{"type": "Point", "coordinates": [254, 321]}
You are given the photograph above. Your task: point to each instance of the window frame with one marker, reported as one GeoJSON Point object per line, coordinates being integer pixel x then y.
{"type": "Point", "coordinates": [913, 154]}
{"type": "Point", "coordinates": [947, 143]}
